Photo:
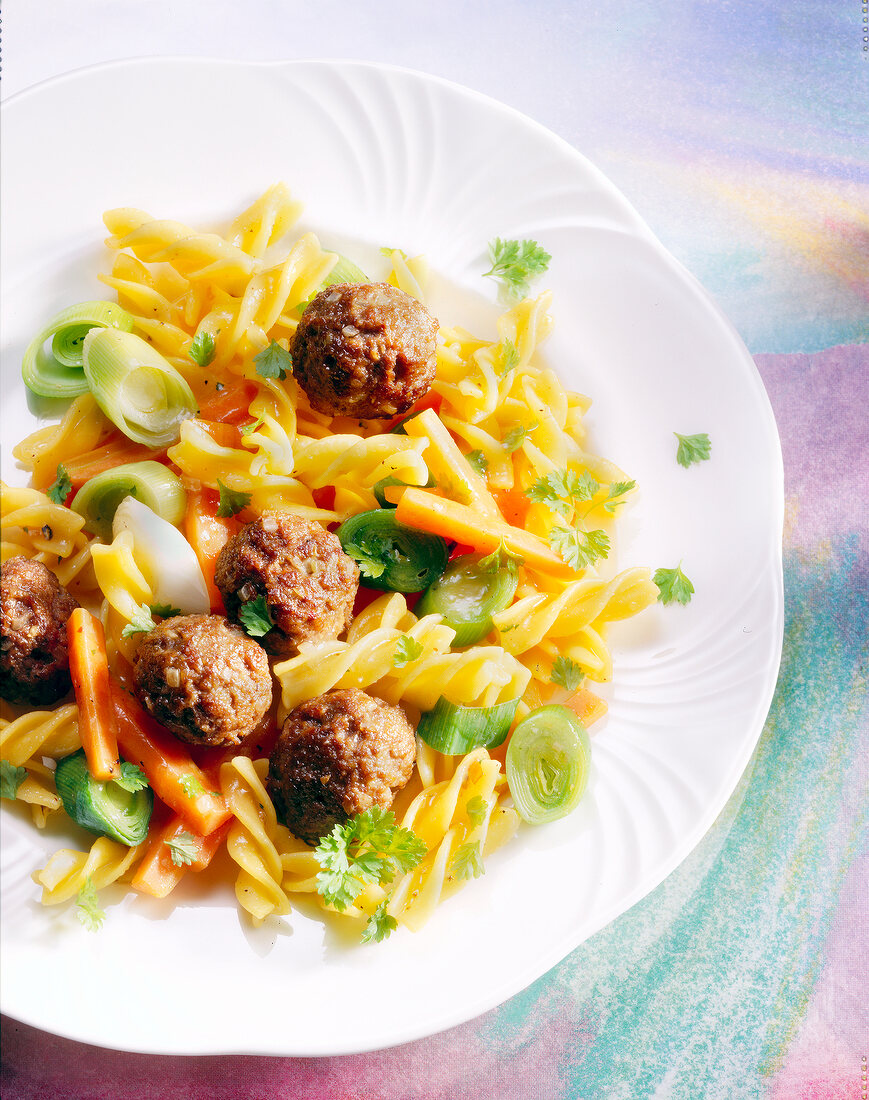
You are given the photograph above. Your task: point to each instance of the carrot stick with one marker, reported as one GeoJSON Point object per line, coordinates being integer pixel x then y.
{"type": "Point", "coordinates": [447, 463]}
{"type": "Point", "coordinates": [513, 505]}
{"type": "Point", "coordinates": [427, 511]}
{"type": "Point", "coordinates": [89, 669]}
{"type": "Point", "coordinates": [170, 768]}
{"type": "Point", "coordinates": [208, 533]}
{"type": "Point", "coordinates": [117, 451]}
{"type": "Point", "coordinates": [158, 874]}
{"type": "Point", "coordinates": [230, 404]}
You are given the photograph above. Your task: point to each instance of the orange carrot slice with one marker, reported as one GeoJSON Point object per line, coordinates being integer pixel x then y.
{"type": "Point", "coordinates": [89, 669]}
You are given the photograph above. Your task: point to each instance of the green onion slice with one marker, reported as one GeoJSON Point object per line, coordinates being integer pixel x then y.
{"type": "Point", "coordinates": [389, 554]}
{"type": "Point", "coordinates": [344, 271]}
{"type": "Point", "coordinates": [548, 762]}
{"type": "Point", "coordinates": [467, 594]}
{"type": "Point", "coordinates": [138, 390]}
{"type": "Point", "coordinates": [104, 808]}
{"type": "Point", "coordinates": [379, 488]}
{"type": "Point", "coordinates": [150, 482]}
{"type": "Point", "coordinates": [454, 730]}
{"type": "Point", "coordinates": [58, 371]}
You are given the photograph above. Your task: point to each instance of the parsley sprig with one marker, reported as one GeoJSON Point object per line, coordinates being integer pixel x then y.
{"type": "Point", "coordinates": [380, 924]}
{"type": "Point", "coordinates": [62, 486]}
{"type": "Point", "coordinates": [132, 778]}
{"type": "Point", "coordinates": [273, 362]}
{"type": "Point", "coordinates": [515, 264]}
{"type": "Point", "coordinates": [11, 778]}
{"type": "Point", "coordinates": [467, 862]}
{"type": "Point", "coordinates": [566, 673]}
{"type": "Point", "coordinates": [202, 348]}
{"type": "Point", "coordinates": [406, 651]}
{"type": "Point", "coordinates": [88, 908]}
{"type": "Point", "coordinates": [673, 585]}
{"type": "Point", "coordinates": [183, 849]}
{"type": "Point", "coordinates": [369, 849]}
{"type": "Point", "coordinates": [232, 501]}
{"type": "Point", "coordinates": [141, 623]}
{"type": "Point", "coordinates": [692, 448]}
{"type": "Point", "coordinates": [255, 617]}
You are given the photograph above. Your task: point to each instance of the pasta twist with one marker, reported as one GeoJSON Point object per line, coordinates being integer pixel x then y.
{"type": "Point", "coordinates": [26, 740]}
{"type": "Point", "coordinates": [255, 839]}
{"type": "Point", "coordinates": [35, 527]}
{"type": "Point", "coordinates": [82, 427]}
{"type": "Point", "coordinates": [68, 870]}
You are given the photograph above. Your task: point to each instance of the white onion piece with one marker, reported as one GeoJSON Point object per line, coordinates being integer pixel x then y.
{"type": "Point", "coordinates": [165, 557]}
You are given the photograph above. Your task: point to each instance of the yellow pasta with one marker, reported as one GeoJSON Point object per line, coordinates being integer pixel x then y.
{"type": "Point", "coordinates": [501, 421]}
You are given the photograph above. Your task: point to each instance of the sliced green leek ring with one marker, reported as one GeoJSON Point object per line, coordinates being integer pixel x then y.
{"type": "Point", "coordinates": [548, 763]}
{"type": "Point", "coordinates": [455, 730]}
{"type": "Point", "coordinates": [58, 372]}
{"type": "Point", "coordinates": [344, 271]}
{"type": "Point", "coordinates": [105, 808]}
{"type": "Point", "coordinates": [467, 594]}
{"type": "Point", "coordinates": [150, 482]}
{"type": "Point", "coordinates": [391, 555]}
{"type": "Point", "coordinates": [138, 390]}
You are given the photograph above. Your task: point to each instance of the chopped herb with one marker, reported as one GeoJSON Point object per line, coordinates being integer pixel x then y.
{"type": "Point", "coordinates": [369, 848]}
{"type": "Point", "coordinates": [514, 439]}
{"type": "Point", "coordinates": [192, 786]}
{"type": "Point", "coordinates": [367, 557]}
{"type": "Point", "coordinates": [515, 264]}
{"type": "Point", "coordinates": [407, 649]}
{"type": "Point", "coordinates": [88, 907]}
{"type": "Point", "coordinates": [476, 809]}
{"type": "Point", "coordinates": [232, 501]}
{"type": "Point", "coordinates": [248, 429]}
{"type": "Point", "coordinates": [62, 487]}
{"type": "Point", "coordinates": [202, 348]}
{"type": "Point", "coordinates": [273, 362]}
{"type": "Point", "coordinates": [616, 491]}
{"type": "Point", "coordinates": [692, 448]}
{"type": "Point", "coordinates": [165, 610]}
{"type": "Point", "coordinates": [673, 585]}
{"type": "Point", "coordinates": [132, 778]}
{"type": "Point", "coordinates": [380, 924]}
{"type": "Point", "coordinates": [509, 357]}
{"type": "Point", "coordinates": [141, 622]}
{"type": "Point", "coordinates": [561, 490]}
{"type": "Point", "coordinates": [255, 617]}
{"type": "Point", "coordinates": [478, 462]}
{"type": "Point", "coordinates": [499, 559]}
{"type": "Point", "coordinates": [11, 778]}
{"type": "Point", "coordinates": [577, 547]}
{"type": "Point", "coordinates": [183, 849]}
{"type": "Point", "coordinates": [566, 673]}
{"type": "Point", "coordinates": [467, 862]}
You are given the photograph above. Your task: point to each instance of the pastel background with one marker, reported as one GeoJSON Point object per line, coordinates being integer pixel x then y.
{"type": "Point", "coordinates": [739, 130]}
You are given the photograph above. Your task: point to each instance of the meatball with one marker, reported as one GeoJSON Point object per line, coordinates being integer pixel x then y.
{"type": "Point", "coordinates": [365, 350]}
{"type": "Point", "coordinates": [203, 678]}
{"type": "Point", "coordinates": [308, 582]}
{"type": "Point", "coordinates": [34, 658]}
{"type": "Point", "coordinates": [336, 756]}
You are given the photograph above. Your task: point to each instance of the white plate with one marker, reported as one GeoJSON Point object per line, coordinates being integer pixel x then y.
{"type": "Point", "coordinates": [383, 156]}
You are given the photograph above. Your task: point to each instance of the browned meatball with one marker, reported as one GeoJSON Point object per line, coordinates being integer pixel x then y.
{"type": "Point", "coordinates": [203, 678]}
{"type": "Point", "coordinates": [336, 756]}
{"type": "Point", "coordinates": [365, 350]}
{"type": "Point", "coordinates": [308, 582]}
{"type": "Point", "coordinates": [34, 658]}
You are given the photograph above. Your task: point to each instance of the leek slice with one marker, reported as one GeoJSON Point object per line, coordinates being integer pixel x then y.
{"type": "Point", "coordinates": [344, 271]}
{"type": "Point", "coordinates": [105, 808]}
{"type": "Point", "coordinates": [59, 372]}
{"type": "Point", "coordinates": [467, 594]}
{"type": "Point", "coordinates": [138, 390]}
{"type": "Point", "coordinates": [391, 555]}
{"type": "Point", "coordinates": [548, 762]}
{"type": "Point", "coordinates": [454, 730]}
{"type": "Point", "coordinates": [150, 482]}
{"type": "Point", "coordinates": [166, 558]}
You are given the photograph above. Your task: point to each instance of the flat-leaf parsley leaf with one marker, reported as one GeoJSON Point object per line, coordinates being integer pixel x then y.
{"type": "Point", "coordinates": [566, 673]}
{"type": "Point", "coordinates": [467, 862]}
{"type": "Point", "coordinates": [273, 362]}
{"type": "Point", "coordinates": [255, 617]}
{"type": "Point", "coordinates": [380, 924]}
{"type": "Point", "coordinates": [132, 778]}
{"type": "Point", "coordinates": [232, 501]}
{"type": "Point", "coordinates": [692, 448]}
{"type": "Point", "coordinates": [183, 849]}
{"type": "Point", "coordinates": [11, 778]}
{"type": "Point", "coordinates": [577, 547]}
{"type": "Point", "coordinates": [88, 907]}
{"type": "Point", "coordinates": [407, 649]}
{"type": "Point", "coordinates": [673, 585]}
{"type": "Point", "coordinates": [478, 462]}
{"type": "Point", "coordinates": [141, 622]}
{"type": "Point", "coordinates": [62, 487]}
